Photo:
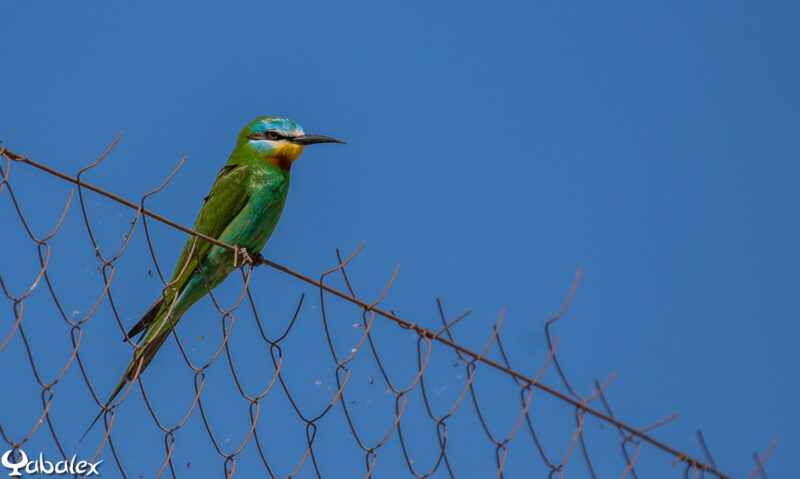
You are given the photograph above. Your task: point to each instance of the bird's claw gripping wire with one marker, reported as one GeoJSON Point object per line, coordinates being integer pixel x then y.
{"type": "Point", "coordinates": [253, 259]}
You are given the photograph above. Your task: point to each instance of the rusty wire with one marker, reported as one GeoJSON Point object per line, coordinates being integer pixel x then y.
{"type": "Point", "coordinates": [425, 339]}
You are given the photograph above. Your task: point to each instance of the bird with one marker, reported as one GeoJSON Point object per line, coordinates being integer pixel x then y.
{"type": "Point", "coordinates": [242, 209]}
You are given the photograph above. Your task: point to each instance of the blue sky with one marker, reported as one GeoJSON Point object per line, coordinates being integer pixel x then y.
{"type": "Point", "coordinates": [492, 151]}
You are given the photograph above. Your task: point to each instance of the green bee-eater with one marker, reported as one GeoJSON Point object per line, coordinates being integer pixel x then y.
{"type": "Point", "coordinates": [242, 209]}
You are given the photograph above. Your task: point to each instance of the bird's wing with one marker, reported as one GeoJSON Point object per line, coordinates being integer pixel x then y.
{"type": "Point", "coordinates": [227, 198]}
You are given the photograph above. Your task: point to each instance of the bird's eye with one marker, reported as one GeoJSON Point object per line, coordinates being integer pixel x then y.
{"type": "Point", "coordinates": [271, 135]}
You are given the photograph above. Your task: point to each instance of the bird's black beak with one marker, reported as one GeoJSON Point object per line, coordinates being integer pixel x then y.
{"type": "Point", "coordinates": [311, 139]}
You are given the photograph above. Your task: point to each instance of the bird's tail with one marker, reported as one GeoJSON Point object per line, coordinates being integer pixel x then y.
{"type": "Point", "coordinates": [141, 358]}
{"type": "Point", "coordinates": [148, 318]}
{"type": "Point", "coordinates": [118, 389]}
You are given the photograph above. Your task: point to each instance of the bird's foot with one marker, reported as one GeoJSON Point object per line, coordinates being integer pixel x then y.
{"type": "Point", "coordinates": [253, 259]}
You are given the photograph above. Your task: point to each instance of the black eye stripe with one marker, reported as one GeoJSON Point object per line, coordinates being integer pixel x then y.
{"type": "Point", "coordinates": [271, 135]}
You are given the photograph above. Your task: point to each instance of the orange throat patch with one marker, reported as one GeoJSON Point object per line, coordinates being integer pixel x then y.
{"type": "Point", "coordinates": [285, 156]}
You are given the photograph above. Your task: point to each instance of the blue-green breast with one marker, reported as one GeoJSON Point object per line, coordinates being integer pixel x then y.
{"type": "Point", "coordinates": [267, 188]}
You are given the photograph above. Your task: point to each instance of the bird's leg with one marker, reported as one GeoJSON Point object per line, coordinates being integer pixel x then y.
{"type": "Point", "coordinates": [253, 259]}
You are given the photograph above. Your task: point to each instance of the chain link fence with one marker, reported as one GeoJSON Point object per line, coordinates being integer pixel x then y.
{"type": "Point", "coordinates": [431, 421]}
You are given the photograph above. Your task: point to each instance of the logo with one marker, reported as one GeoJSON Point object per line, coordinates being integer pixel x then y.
{"type": "Point", "coordinates": [41, 466]}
